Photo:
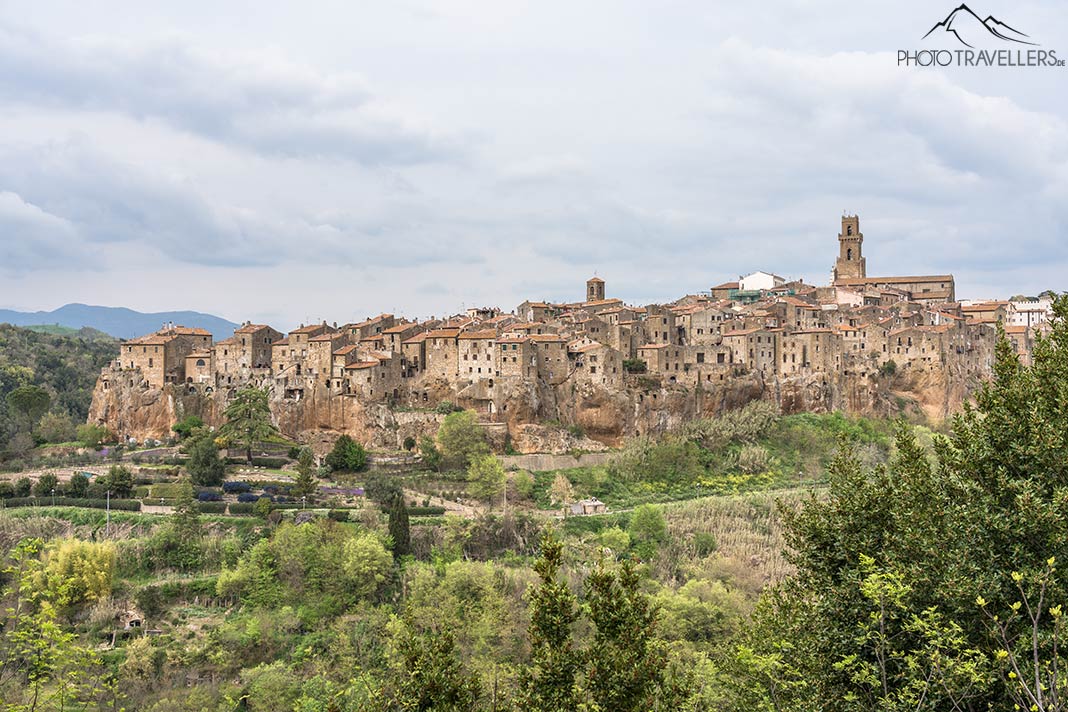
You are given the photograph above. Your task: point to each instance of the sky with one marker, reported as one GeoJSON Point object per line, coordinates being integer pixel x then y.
{"type": "Point", "coordinates": [294, 162]}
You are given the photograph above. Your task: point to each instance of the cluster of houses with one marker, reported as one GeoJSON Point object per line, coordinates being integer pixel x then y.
{"type": "Point", "coordinates": [760, 324]}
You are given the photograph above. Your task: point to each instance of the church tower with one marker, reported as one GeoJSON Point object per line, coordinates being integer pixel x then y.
{"type": "Point", "coordinates": [595, 290]}
{"type": "Point", "coordinates": [850, 263]}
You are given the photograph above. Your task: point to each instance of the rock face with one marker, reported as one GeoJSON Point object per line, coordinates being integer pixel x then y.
{"type": "Point", "coordinates": [532, 415]}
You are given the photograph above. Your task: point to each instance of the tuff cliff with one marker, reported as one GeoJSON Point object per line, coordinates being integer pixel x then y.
{"type": "Point", "coordinates": [538, 417]}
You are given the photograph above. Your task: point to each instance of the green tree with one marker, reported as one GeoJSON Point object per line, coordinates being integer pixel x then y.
{"type": "Point", "coordinates": [178, 543]}
{"type": "Point", "coordinates": [205, 467]}
{"type": "Point", "coordinates": [188, 425]}
{"type": "Point", "coordinates": [428, 450]}
{"type": "Point", "coordinates": [91, 435]}
{"type": "Point", "coordinates": [647, 529]}
{"type": "Point", "coordinates": [56, 428]}
{"type": "Point", "coordinates": [433, 677]}
{"type": "Point", "coordinates": [28, 403]}
{"type": "Point", "coordinates": [79, 485]}
{"type": "Point", "coordinates": [45, 485]}
{"type": "Point", "coordinates": [347, 455]}
{"type": "Point", "coordinates": [547, 684]}
{"type": "Point", "coordinates": [248, 420]}
{"type": "Point", "coordinates": [23, 487]}
{"type": "Point", "coordinates": [305, 484]}
{"type": "Point", "coordinates": [626, 662]}
{"type": "Point", "coordinates": [399, 527]}
{"type": "Point", "coordinates": [118, 481]}
{"type": "Point", "coordinates": [945, 535]}
{"type": "Point", "coordinates": [461, 439]}
{"type": "Point", "coordinates": [381, 489]}
{"type": "Point", "coordinates": [486, 478]}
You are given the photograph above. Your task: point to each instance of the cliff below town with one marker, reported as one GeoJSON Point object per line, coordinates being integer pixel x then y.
{"type": "Point", "coordinates": [535, 416]}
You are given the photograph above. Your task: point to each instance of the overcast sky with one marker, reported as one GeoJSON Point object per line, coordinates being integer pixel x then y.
{"type": "Point", "coordinates": [287, 162]}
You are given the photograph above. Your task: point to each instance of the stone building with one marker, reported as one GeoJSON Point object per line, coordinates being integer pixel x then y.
{"type": "Point", "coordinates": [160, 356]}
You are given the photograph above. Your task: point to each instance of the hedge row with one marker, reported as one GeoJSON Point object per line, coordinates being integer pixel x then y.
{"type": "Point", "coordinates": [272, 462]}
{"type": "Point", "coordinates": [242, 508]}
{"type": "Point", "coordinates": [124, 505]}
{"type": "Point", "coordinates": [211, 507]}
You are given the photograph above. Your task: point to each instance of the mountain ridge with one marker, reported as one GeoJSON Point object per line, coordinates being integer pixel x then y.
{"type": "Point", "coordinates": [120, 322]}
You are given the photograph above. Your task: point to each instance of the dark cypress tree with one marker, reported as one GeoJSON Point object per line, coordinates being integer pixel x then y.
{"type": "Point", "coordinates": [399, 527]}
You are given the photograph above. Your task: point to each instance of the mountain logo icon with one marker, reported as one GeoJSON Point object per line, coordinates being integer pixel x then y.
{"type": "Point", "coordinates": [970, 29]}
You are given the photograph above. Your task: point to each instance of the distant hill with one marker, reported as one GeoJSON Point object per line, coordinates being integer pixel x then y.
{"type": "Point", "coordinates": [119, 322]}
{"type": "Point", "coordinates": [86, 332]}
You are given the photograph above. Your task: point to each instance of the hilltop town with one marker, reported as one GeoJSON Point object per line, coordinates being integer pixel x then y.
{"type": "Point", "coordinates": [556, 376]}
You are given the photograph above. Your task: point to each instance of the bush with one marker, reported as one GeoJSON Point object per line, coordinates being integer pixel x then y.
{"type": "Point", "coordinates": [241, 508]}
{"type": "Point", "coordinates": [889, 368]}
{"type": "Point", "coordinates": [187, 425]}
{"type": "Point", "coordinates": [753, 459]}
{"type": "Point", "coordinates": [634, 365]}
{"type": "Point", "coordinates": [212, 507]}
{"type": "Point", "coordinates": [339, 515]}
{"type": "Point", "coordinates": [208, 496]}
{"type": "Point", "coordinates": [445, 407]}
{"type": "Point", "coordinates": [347, 456]}
{"type": "Point", "coordinates": [92, 435]}
{"type": "Point", "coordinates": [409, 443]}
{"type": "Point", "coordinates": [426, 511]}
{"type": "Point", "coordinates": [250, 497]}
{"type": "Point", "coordinates": [234, 487]}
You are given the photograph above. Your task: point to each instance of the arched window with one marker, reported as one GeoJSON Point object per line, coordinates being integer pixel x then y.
{"type": "Point", "coordinates": [849, 230]}
{"type": "Point", "coordinates": [200, 362]}
{"type": "Point", "coordinates": [849, 253]}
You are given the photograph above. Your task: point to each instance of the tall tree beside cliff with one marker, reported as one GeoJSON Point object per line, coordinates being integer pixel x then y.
{"type": "Point", "coordinates": [902, 568]}
{"type": "Point", "coordinates": [248, 420]}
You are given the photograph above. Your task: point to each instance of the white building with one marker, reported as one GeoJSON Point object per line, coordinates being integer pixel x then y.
{"type": "Point", "coordinates": [760, 281]}
{"type": "Point", "coordinates": [1030, 313]}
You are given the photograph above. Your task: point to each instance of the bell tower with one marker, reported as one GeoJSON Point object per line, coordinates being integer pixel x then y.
{"type": "Point", "coordinates": [595, 289]}
{"type": "Point", "coordinates": [850, 262]}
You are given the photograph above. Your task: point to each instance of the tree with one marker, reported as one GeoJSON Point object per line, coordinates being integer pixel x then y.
{"type": "Point", "coordinates": [626, 662]}
{"type": "Point", "coordinates": [178, 544]}
{"type": "Point", "coordinates": [118, 481]}
{"type": "Point", "coordinates": [248, 420]}
{"type": "Point", "coordinates": [205, 467]}
{"type": "Point", "coordinates": [399, 527]}
{"type": "Point", "coordinates": [91, 435]}
{"type": "Point", "coordinates": [430, 453]}
{"type": "Point", "coordinates": [20, 444]}
{"type": "Point", "coordinates": [29, 403]}
{"type": "Point", "coordinates": [547, 684]}
{"type": "Point", "coordinates": [461, 439]}
{"type": "Point", "coordinates": [561, 492]}
{"type": "Point", "coordinates": [45, 485]}
{"type": "Point", "coordinates": [56, 428]}
{"type": "Point", "coordinates": [79, 485]}
{"type": "Point", "coordinates": [434, 678]}
{"type": "Point", "coordinates": [305, 483]}
{"type": "Point", "coordinates": [23, 487]}
{"type": "Point", "coordinates": [346, 456]}
{"type": "Point", "coordinates": [916, 539]}
{"type": "Point", "coordinates": [381, 489]}
{"type": "Point", "coordinates": [188, 425]}
{"type": "Point", "coordinates": [486, 478]}
{"type": "Point", "coordinates": [647, 529]}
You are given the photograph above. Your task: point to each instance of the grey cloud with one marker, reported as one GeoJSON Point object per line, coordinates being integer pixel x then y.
{"type": "Point", "coordinates": [260, 102]}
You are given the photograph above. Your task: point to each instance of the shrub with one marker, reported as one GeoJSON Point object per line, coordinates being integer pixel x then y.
{"type": "Point", "coordinates": [233, 487]}
{"type": "Point", "coordinates": [347, 456]}
{"type": "Point", "coordinates": [187, 425]}
{"type": "Point", "coordinates": [753, 459]}
{"type": "Point", "coordinates": [634, 365]}
{"type": "Point", "coordinates": [250, 497]}
{"type": "Point", "coordinates": [212, 507]}
{"type": "Point", "coordinates": [409, 443]}
{"type": "Point", "coordinates": [889, 368]}
{"type": "Point", "coordinates": [208, 496]}
{"type": "Point", "coordinates": [339, 515]}
{"type": "Point", "coordinates": [241, 508]}
{"type": "Point", "coordinates": [445, 407]}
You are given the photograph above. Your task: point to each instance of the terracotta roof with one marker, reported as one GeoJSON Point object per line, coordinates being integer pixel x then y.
{"type": "Point", "coordinates": [810, 331]}
{"type": "Point", "coordinates": [251, 328]}
{"type": "Point", "coordinates": [398, 328]}
{"type": "Point", "coordinates": [546, 337]}
{"type": "Point", "coordinates": [329, 336]}
{"type": "Point", "coordinates": [284, 341]}
{"type": "Point", "coordinates": [726, 285]}
{"type": "Point", "coordinates": [743, 332]}
{"type": "Point", "coordinates": [513, 340]}
{"type": "Point", "coordinates": [361, 365]}
{"type": "Point", "coordinates": [599, 302]}
{"type": "Point", "coordinates": [1016, 329]}
{"type": "Point", "coordinates": [484, 334]}
{"type": "Point", "coordinates": [595, 279]}
{"type": "Point", "coordinates": [654, 346]}
{"type": "Point", "coordinates": [309, 329]}
{"type": "Point", "coordinates": [227, 342]}
{"type": "Point", "coordinates": [199, 354]}
{"type": "Point", "coordinates": [443, 334]}
{"type": "Point", "coordinates": [417, 339]}
{"type": "Point", "coordinates": [895, 280]}
{"type": "Point", "coordinates": [346, 350]}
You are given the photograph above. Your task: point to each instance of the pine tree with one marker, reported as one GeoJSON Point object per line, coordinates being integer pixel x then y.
{"type": "Point", "coordinates": [434, 677]}
{"type": "Point", "coordinates": [204, 465]}
{"type": "Point", "coordinates": [548, 684]}
{"type": "Point", "coordinates": [248, 420]}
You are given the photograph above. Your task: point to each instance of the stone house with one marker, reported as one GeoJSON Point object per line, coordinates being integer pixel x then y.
{"type": "Point", "coordinates": [160, 356]}
{"type": "Point", "coordinates": [441, 355]}
{"type": "Point", "coordinates": [477, 358]}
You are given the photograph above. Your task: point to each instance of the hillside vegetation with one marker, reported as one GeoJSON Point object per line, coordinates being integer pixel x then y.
{"type": "Point", "coordinates": [63, 368]}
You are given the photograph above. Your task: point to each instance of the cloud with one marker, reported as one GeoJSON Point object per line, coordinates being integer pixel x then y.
{"type": "Point", "coordinates": [257, 100]}
{"type": "Point", "coordinates": [32, 238]}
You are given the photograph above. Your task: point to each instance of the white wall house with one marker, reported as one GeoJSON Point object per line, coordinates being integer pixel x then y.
{"type": "Point", "coordinates": [760, 281]}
